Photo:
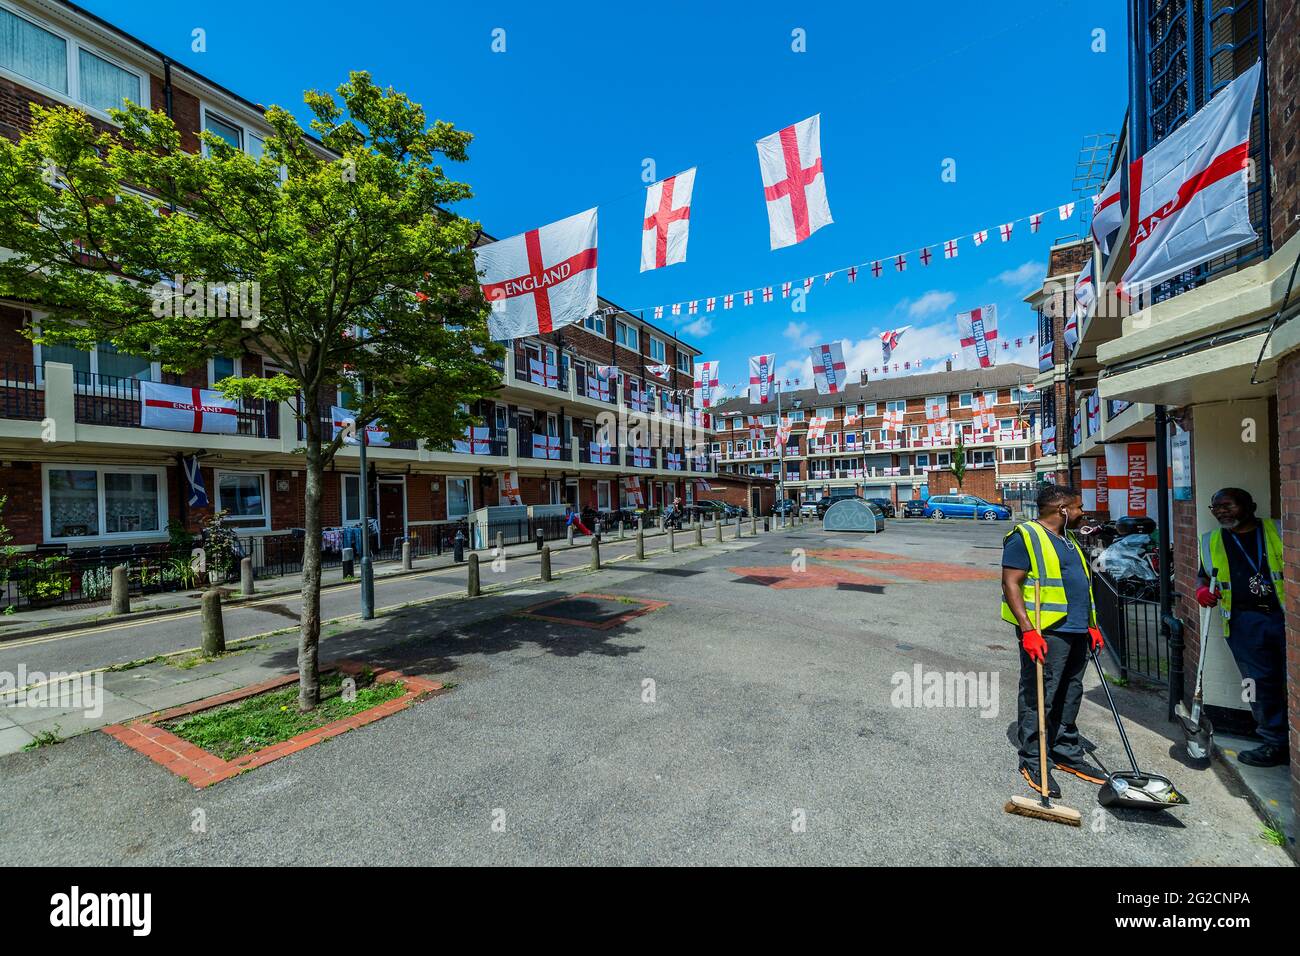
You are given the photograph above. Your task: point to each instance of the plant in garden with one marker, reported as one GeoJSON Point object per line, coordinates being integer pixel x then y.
{"type": "Point", "coordinates": [8, 550]}
{"type": "Point", "coordinates": [958, 466]}
{"type": "Point", "coordinates": [366, 282]}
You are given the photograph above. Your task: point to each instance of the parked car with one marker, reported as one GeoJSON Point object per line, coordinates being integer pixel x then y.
{"type": "Point", "coordinates": [808, 508]}
{"type": "Point", "coordinates": [964, 506]}
{"type": "Point", "coordinates": [784, 507]}
{"type": "Point", "coordinates": [914, 508]}
{"type": "Point", "coordinates": [706, 508]}
{"type": "Point", "coordinates": [885, 505]}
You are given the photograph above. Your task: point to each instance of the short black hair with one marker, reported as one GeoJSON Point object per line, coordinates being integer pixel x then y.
{"type": "Point", "coordinates": [1051, 495]}
{"type": "Point", "coordinates": [1240, 496]}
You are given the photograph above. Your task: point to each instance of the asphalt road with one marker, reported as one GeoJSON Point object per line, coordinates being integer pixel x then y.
{"type": "Point", "coordinates": [773, 736]}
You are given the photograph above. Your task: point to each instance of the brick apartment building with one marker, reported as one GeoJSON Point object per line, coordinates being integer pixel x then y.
{"type": "Point", "coordinates": [856, 450]}
{"type": "Point", "coordinates": [1218, 346]}
{"type": "Point", "coordinates": [106, 481]}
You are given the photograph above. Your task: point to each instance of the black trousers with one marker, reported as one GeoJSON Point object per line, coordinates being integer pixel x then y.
{"type": "Point", "coordinates": [1258, 644]}
{"type": "Point", "coordinates": [1067, 658]}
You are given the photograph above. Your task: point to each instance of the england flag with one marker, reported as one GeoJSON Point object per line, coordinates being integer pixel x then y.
{"type": "Point", "coordinates": [762, 375]}
{"type": "Point", "coordinates": [828, 368]}
{"type": "Point", "coordinates": [1131, 479]}
{"type": "Point", "coordinates": [889, 341]}
{"type": "Point", "coordinates": [177, 408]}
{"type": "Point", "coordinates": [706, 384]}
{"type": "Point", "coordinates": [976, 329]}
{"type": "Point", "coordinates": [667, 221]}
{"type": "Point", "coordinates": [1188, 195]}
{"type": "Point", "coordinates": [793, 182]}
{"type": "Point", "coordinates": [1107, 213]}
{"type": "Point", "coordinates": [542, 279]}
{"type": "Point", "coordinates": [345, 420]}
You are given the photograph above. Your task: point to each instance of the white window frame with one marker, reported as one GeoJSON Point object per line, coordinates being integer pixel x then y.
{"type": "Point", "coordinates": [626, 331]}
{"type": "Point", "coordinates": [595, 323]}
{"type": "Point", "coordinates": [922, 461]}
{"type": "Point", "coordinates": [683, 362]}
{"type": "Point", "coordinates": [869, 410]}
{"type": "Point", "coordinates": [155, 368]}
{"type": "Point", "coordinates": [990, 397]}
{"type": "Point", "coordinates": [603, 486]}
{"type": "Point", "coordinates": [896, 405]}
{"type": "Point", "coordinates": [102, 536]}
{"type": "Point", "coordinates": [236, 373]}
{"type": "Point", "coordinates": [266, 497]}
{"type": "Point", "coordinates": [662, 356]}
{"type": "Point", "coordinates": [965, 400]}
{"type": "Point", "coordinates": [344, 520]}
{"type": "Point", "coordinates": [469, 498]}
{"type": "Point", "coordinates": [72, 45]}
{"type": "Point", "coordinates": [225, 117]}
{"type": "Point", "coordinates": [1016, 453]}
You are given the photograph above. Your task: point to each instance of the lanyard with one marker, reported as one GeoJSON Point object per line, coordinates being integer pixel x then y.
{"type": "Point", "coordinates": [1259, 549]}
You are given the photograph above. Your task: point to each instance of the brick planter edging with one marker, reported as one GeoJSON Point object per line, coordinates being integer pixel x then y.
{"type": "Point", "coordinates": [202, 769]}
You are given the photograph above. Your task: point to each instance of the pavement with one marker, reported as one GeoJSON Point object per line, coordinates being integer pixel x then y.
{"type": "Point", "coordinates": [764, 715]}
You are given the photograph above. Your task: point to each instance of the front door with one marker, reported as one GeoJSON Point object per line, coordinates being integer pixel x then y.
{"type": "Point", "coordinates": [392, 513]}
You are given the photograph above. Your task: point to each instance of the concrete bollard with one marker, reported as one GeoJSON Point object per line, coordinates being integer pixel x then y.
{"type": "Point", "coordinates": [766, 527]}
{"type": "Point", "coordinates": [246, 577]}
{"type": "Point", "coordinates": [121, 600]}
{"type": "Point", "coordinates": [214, 628]}
{"type": "Point", "coordinates": [406, 555]}
{"type": "Point", "coordinates": [699, 533]}
{"type": "Point", "coordinates": [740, 527]}
{"type": "Point", "coordinates": [501, 542]}
{"type": "Point", "coordinates": [622, 531]}
{"type": "Point", "coordinates": [717, 528]}
{"type": "Point", "coordinates": [595, 554]}
{"type": "Point", "coordinates": [472, 581]}
{"type": "Point", "coordinates": [546, 563]}
{"type": "Point", "coordinates": [672, 541]}
{"type": "Point", "coordinates": [640, 544]}
{"type": "Point", "coordinates": [568, 535]}
{"type": "Point", "coordinates": [753, 524]}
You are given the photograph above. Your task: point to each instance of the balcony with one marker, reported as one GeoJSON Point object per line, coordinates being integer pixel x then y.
{"type": "Point", "coordinates": [115, 401]}
{"type": "Point", "coordinates": [21, 398]}
{"type": "Point", "coordinates": [538, 447]}
{"type": "Point", "coordinates": [534, 371]}
{"type": "Point", "coordinates": [327, 429]}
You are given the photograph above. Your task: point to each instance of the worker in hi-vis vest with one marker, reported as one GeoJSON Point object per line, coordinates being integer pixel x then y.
{"type": "Point", "coordinates": [1043, 559]}
{"type": "Point", "coordinates": [1244, 554]}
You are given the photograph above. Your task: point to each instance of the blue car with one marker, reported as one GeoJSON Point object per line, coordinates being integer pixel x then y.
{"type": "Point", "coordinates": [964, 506]}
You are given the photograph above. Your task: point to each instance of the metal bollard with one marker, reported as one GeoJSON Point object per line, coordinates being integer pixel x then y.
{"type": "Point", "coordinates": [458, 547]}
{"type": "Point", "coordinates": [472, 581]}
{"type": "Point", "coordinates": [541, 539]}
{"type": "Point", "coordinates": [406, 556]}
{"type": "Point", "coordinates": [546, 563]}
{"type": "Point", "coordinates": [640, 544]}
{"type": "Point", "coordinates": [766, 526]}
{"type": "Point", "coordinates": [121, 598]}
{"type": "Point", "coordinates": [595, 554]}
{"type": "Point", "coordinates": [214, 628]}
{"type": "Point", "coordinates": [672, 541]}
{"type": "Point", "coordinates": [246, 577]}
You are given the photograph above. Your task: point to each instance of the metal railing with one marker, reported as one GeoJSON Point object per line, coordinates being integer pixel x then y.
{"type": "Point", "coordinates": [20, 396]}
{"type": "Point", "coordinates": [1129, 617]}
{"type": "Point", "coordinates": [114, 400]}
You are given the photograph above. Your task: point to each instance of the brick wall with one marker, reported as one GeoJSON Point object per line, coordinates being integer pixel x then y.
{"type": "Point", "coordinates": [15, 348]}
{"type": "Point", "coordinates": [979, 482]}
{"type": "Point", "coordinates": [736, 491]}
{"type": "Point", "coordinates": [20, 482]}
{"type": "Point", "coordinates": [1288, 439]}
{"type": "Point", "coordinates": [1284, 119]}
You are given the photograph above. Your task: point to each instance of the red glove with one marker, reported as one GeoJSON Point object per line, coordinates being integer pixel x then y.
{"type": "Point", "coordinates": [1097, 642]}
{"type": "Point", "coordinates": [1034, 645]}
{"type": "Point", "coordinates": [1205, 597]}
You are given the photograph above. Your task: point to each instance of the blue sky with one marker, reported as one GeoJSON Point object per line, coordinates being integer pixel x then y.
{"type": "Point", "coordinates": [585, 93]}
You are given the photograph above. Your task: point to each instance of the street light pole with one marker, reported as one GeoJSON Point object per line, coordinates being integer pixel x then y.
{"type": "Point", "coordinates": [780, 453]}
{"type": "Point", "coordinates": [367, 566]}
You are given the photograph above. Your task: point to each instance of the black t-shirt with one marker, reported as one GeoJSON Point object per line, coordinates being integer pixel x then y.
{"type": "Point", "coordinates": [1242, 549]}
{"type": "Point", "coordinates": [1079, 616]}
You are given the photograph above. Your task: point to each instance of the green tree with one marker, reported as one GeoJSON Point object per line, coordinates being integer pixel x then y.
{"type": "Point", "coordinates": [364, 280]}
{"type": "Point", "coordinates": [958, 466]}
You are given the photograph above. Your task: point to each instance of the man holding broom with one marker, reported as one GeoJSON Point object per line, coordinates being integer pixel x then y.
{"type": "Point", "coordinates": [1047, 594]}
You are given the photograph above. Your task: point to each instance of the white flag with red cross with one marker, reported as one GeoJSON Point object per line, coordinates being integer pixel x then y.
{"type": "Point", "coordinates": [1131, 479]}
{"type": "Point", "coordinates": [1035, 221]}
{"type": "Point", "coordinates": [981, 237]}
{"type": "Point", "coordinates": [977, 329]}
{"type": "Point", "coordinates": [816, 429]}
{"type": "Point", "coordinates": [1005, 229]}
{"type": "Point", "coordinates": [893, 419]}
{"type": "Point", "coordinates": [1107, 212]}
{"type": "Point", "coordinates": [755, 431]}
{"type": "Point", "coordinates": [728, 300]}
{"type": "Point", "coordinates": [475, 442]}
{"type": "Point", "coordinates": [345, 421]}
{"type": "Point", "coordinates": [706, 384]}
{"type": "Point", "coordinates": [762, 373]}
{"type": "Point", "coordinates": [1088, 482]}
{"type": "Point", "coordinates": [632, 488]}
{"type": "Point", "coordinates": [710, 302]}
{"type": "Point", "coordinates": [177, 408]}
{"type": "Point", "coordinates": [542, 279]}
{"type": "Point", "coordinates": [828, 368]}
{"type": "Point", "coordinates": [790, 161]}
{"type": "Point", "coordinates": [667, 221]}
{"type": "Point", "coordinates": [1188, 195]}
{"type": "Point", "coordinates": [889, 341]}
{"type": "Point", "coordinates": [510, 491]}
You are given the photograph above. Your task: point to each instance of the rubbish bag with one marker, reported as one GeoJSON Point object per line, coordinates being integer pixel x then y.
{"type": "Point", "coordinates": [1126, 559]}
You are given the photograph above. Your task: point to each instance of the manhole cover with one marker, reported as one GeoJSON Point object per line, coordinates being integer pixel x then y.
{"type": "Point", "coordinates": [597, 611]}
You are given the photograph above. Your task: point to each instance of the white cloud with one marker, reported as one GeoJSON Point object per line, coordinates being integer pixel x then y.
{"type": "Point", "coordinates": [932, 302]}
{"type": "Point", "coordinates": [1021, 275]}
{"type": "Point", "coordinates": [699, 328]}
{"type": "Point", "coordinates": [801, 335]}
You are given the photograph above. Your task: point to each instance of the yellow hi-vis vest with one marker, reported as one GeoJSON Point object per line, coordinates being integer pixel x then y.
{"type": "Point", "coordinates": [1045, 569]}
{"type": "Point", "coordinates": [1214, 560]}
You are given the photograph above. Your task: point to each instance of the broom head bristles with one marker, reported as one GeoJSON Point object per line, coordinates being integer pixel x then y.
{"type": "Point", "coordinates": [1028, 807]}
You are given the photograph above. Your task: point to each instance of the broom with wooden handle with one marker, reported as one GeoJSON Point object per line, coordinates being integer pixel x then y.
{"type": "Point", "coordinates": [1042, 808]}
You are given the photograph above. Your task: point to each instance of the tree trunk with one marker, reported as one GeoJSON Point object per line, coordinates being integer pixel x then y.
{"type": "Point", "coordinates": [309, 629]}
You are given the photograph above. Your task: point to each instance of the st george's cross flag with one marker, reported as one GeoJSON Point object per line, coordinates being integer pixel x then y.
{"type": "Point", "coordinates": [1085, 294]}
{"type": "Point", "coordinates": [936, 408]}
{"type": "Point", "coordinates": [542, 279]}
{"type": "Point", "coordinates": [667, 222]}
{"type": "Point", "coordinates": [889, 341]}
{"type": "Point", "coordinates": [632, 492]}
{"type": "Point", "coordinates": [1188, 195]}
{"type": "Point", "coordinates": [1093, 405]}
{"type": "Point", "coordinates": [794, 185]}
{"type": "Point", "coordinates": [510, 493]}
{"type": "Point", "coordinates": [829, 373]}
{"type": "Point", "coordinates": [475, 442]}
{"type": "Point", "coordinates": [762, 375]}
{"type": "Point", "coordinates": [816, 429]}
{"type": "Point", "coordinates": [1107, 212]}
{"type": "Point", "coordinates": [893, 419]}
{"type": "Point", "coordinates": [1088, 483]}
{"type": "Point", "coordinates": [1048, 440]}
{"type": "Point", "coordinates": [1131, 479]}
{"type": "Point", "coordinates": [178, 408]}
{"type": "Point", "coordinates": [376, 435]}
{"type": "Point", "coordinates": [706, 384]}
{"type": "Point", "coordinates": [755, 431]}
{"type": "Point", "coordinates": [976, 329]}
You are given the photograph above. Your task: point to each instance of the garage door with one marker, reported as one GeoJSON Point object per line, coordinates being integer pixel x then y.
{"type": "Point", "coordinates": [877, 492]}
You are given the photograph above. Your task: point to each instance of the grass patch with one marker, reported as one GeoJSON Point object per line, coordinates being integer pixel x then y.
{"type": "Point", "coordinates": [1117, 681]}
{"type": "Point", "coordinates": [249, 725]}
{"type": "Point", "coordinates": [1272, 834]}
{"type": "Point", "coordinates": [46, 738]}
{"type": "Point", "coordinates": [194, 660]}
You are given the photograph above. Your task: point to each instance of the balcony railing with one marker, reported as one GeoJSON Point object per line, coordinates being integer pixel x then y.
{"type": "Point", "coordinates": [540, 447]}
{"type": "Point", "coordinates": [596, 389]}
{"type": "Point", "coordinates": [540, 372]}
{"type": "Point", "coordinates": [21, 398]}
{"type": "Point", "coordinates": [327, 429]}
{"type": "Point", "coordinates": [115, 400]}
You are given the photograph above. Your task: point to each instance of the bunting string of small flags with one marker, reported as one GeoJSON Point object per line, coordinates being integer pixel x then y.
{"type": "Point", "coordinates": [876, 268]}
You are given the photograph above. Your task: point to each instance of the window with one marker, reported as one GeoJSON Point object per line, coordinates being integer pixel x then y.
{"type": "Point", "coordinates": [896, 405]}
{"type": "Point", "coordinates": [235, 135]}
{"type": "Point", "coordinates": [768, 419]}
{"type": "Point", "coordinates": [869, 409]}
{"type": "Point", "coordinates": [95, 500]}
{"type": "Point", "coordinates": [1015, 454]}
{"type": "Point", "coordinates": [220, 367]}
{"type": "Point", "coordinates": [796, 415]}
{"type": "Point", "coordinates": [658, 351]}
{"type": "Point", "coordinates": [1020, 396]}
{"type": "Point", "coordinates": [964, 400]}
{"type": "Point", "coordinates": [595, 323]}
{"type": "Point", "coordinates": [32, 52]}
{"type": "Point", "coordinates": [243, 495]}
{"type": "Point", "coordinates": [683, 362]}
{"type": "Point", "coordinates": [981, 456]}
{"type": "Point", "coordinates": [105, 85]}
{"type": "Point", "coordinates": [602, 496]}
{"type": "Point", "coordinates": [626, 335]}
{"type": "Point", "coordinates": [460, 498]}
{"type": "Point", "coordinates": [1006, 424]}
{"type": "Point", "coordinates": [991, 397]}
{"type": "Point", "coordinates": [827, 413]}
{"type": "Point", "coordinates": [104, 360]}
{"type": "Point", "coordinates": [352, 499]}
{"type": "Point", "coordinates": [737, 424]}
{"type": "Point", "coordinates": [850, 410]}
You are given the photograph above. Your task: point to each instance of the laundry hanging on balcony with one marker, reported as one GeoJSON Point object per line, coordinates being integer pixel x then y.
{"type": "Point", "coordinates": [179, 409]}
